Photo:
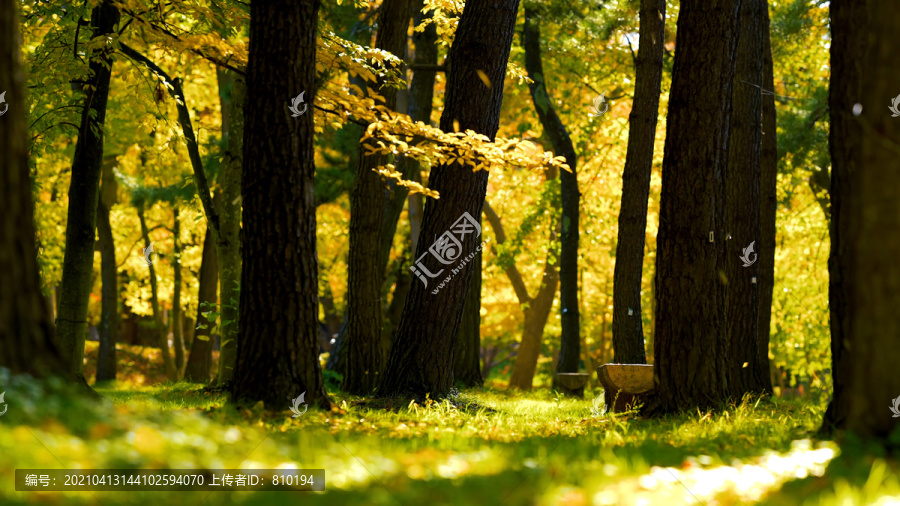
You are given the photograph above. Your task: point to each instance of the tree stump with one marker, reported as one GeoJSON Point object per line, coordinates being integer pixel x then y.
{"type": "Point", "coordinates": [625, 385]}
{"type": "Point", "coordinates": [572, 383]}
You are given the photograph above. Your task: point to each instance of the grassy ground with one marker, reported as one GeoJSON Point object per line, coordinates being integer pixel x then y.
{"type": "Point", "coordinates": [517, 449]}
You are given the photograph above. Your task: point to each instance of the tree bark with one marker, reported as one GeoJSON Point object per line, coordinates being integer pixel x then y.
{"type": "Point", "coordinates": [467, 349]}
{"type": "Point", "coordinates": [742, 203]}
{"type": "Point", "coordinates": [177, 312]}
{"type": "Point", "coordinates": [109, 292]}
{"type": "Point", "coordinates": [849, 22]}
{"type": "Point", "coordinates": [162, 337]}
{"type": "Point", "coordinates": [691, 352]}
{"type": "Point", "coordinates": [768, 188]}
{"type": "Point", "coordinates": [421, 360]}
{"type": "Point", "coordinates": [84, 192]}
{"type": "Point", "coordinates": [27, 343]}
{"type": "Point", "coordinates": [200, 357]}
{"type": "Point", "coordinates": [570, 346]}
{"type": "Point", "coordinates": [873, 295]}
{"type": "Point", "coordinates": [228, 242]}
{"type": "Point", "coordinates": [277, 348]}
{"type": "Point", "coordinates": [367, 260]}
{"type": "Point", "coordinates": [627, 324]}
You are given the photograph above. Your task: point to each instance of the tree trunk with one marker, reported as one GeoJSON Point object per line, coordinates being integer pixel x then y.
{"type": "Point", "coordinates": [849, 22]}
{"type": "Point", "coordinates": [691, 352]}
{"type": "Point", "coordinates": [160, 327]}
{"type": "Point", "coordinates": [570, 347]}
{"type": "Point", "coordinates": [627, 323]}
{"type": "Point", "coordinates": [421, 360]}
{"type": "Point", "coordinates": [277, 348]}
{"type": "Point", "coordinates": [109, 308]}
{"type": "Point", "coordinates": [84, 192]}
{"type": "Point", "coordinates": [742, 206]}
{"type": "Point", "coordinates": [874, 294]}
{"type": "Point", "coordinates": [200, 357]}
{"type": "Point", "coordinates": [768, 189]}
{"type": "Point", "coordinates": [27, 344]}
{"type": "Point", "coordinates": [467, 349]}
{"type": "Point", "coordinates": [367, 205]}
{"type": "Point", "coordinates": [177, 312]}
{"type": "Point", "coordinates": [228, 243]}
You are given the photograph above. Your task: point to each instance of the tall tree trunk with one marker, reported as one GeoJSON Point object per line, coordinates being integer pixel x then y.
{"type": "Point", "coordinates": [874, 294]}
{"type": "Point", "coordinates": [109, 306]}
{"type": "Point", "coordinates": [849, 32]}
{"type": "Point", "coordinates": [691, 352]}
{"type": "Point", "coordinates": [177, 312]}
{"type": "Point", "coordinates": [742, 203]}
{"type": "Point", "coordinates": [162, 337]}
{"type": "Point", "coordinates": [200, 357]}
{"type": "Point", "coordinates": [768, 190]}
{"type": "Point", "coordinates": [367, 204]}
{"type": "Point", "coordinates": [84, 192]}
{"type": "Point", "coordinates": [421, 360]}
{"type": "Point", "coordinates": [229, 238]}
{"type": "Point", "coordinates": [27, 343]}
{"type": "Point", "coordinates": [570, 347]}
{"type": "Point", "coordinates": [277, 353]}
{"type": "Point", "coordinates": [627, 324]}
{"type": "Point", "coordinates": [467, 349]}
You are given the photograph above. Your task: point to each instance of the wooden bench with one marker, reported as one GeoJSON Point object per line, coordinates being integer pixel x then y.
{"type": "Point", "coordinates": [625, 385]}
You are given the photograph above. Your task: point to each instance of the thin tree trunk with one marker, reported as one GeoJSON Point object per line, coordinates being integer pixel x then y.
{"type": "Point", "coordinates": [849, 22]}
{"type": "Point", "coordinates": [200, 357]}
{"type": "Point", "coordinates": [768, 203]}
{"type": "Point", "coordinates": [570, 346]}
{"type": "Point", "coordinates": [742, 203]}
{"type": "Point", "coordinates": [109, 306]}
{"type": "Point", "coordinates": [162, 337]}
{"type": "Point", "coordinates": [421, 360]}
{"type": "Point", "coordinates": [83, 197]}
{"type": "Point", "coordinates": [874, 294]}
{"type": "Point", "coordinates": [691, 352]}
{"type": "Point", "coordinates": [467, 350]}
{"type": "Point", "coordinates": [277, 347]}
{"type": "Point", "coordinates": [27, 343]}
{"type": "Point", "coordinates": [627, 323]}
{"type": "Point", "coordinates": [367, 205]}
{"type": "Point", "coordinates": [177, 312]}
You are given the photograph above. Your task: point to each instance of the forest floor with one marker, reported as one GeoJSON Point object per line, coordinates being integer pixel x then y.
{"type": "Point", "coordinates": [516, 449]}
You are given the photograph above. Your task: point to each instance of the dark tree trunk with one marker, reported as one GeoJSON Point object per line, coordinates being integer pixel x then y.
{"type": "Point", "coordinates": [277, 353]}
{"type": "Point", "coordinates": [27, 344]}
{"type": "Point", "coordinates": [627, 325]}
{"type": "Point", "coordinates": [742, 206]}
{"type": "Point", "coordinates": [849, 32]}
{"type": "Point", "coordinates": [467, 349]}
{"type": "Point", "coordinates": [200, 357]}
{"type": "Point", "coordinates": [768, 203]}
{"type": "Point", "coordinates": [367, 261]}
{"type": "Point", "coordinates": [874, 294]}
{"type": "Point", "coordinates": [78, 262]}
{"type": "Point", "coordinates": [691, 352]}
{"type": "Point", "coordinates": [421, 360]}
{"type": "Point", "coordinates": [109, 292]}
{"type": "Point", "coordinates": [177, 312]}
{"type": "Point", "coordinates": [161, 330]}
{"type": "Point", "coordinates": [228, 254]}
{"type": "Point", "coordinates": [570, 347]}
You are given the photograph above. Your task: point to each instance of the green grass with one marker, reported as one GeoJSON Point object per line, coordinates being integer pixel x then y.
{"type": "Point", "coordinates": [515, 449]}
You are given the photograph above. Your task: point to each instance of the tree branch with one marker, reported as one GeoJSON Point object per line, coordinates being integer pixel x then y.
{"type": "Point", "coordinates": [515, 277]}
